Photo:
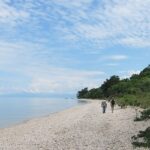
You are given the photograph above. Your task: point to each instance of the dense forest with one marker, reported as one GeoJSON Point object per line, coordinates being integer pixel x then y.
{"type": "Point", "coordinates": [131, 91]}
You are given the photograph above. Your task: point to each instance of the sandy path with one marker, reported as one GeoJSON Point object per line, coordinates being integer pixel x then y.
{"type": "Point", "coordinates": [79, 128]}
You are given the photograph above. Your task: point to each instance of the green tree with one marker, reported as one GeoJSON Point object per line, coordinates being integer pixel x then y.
{"type": "Point", "coordinates": [83, 93]}
{"type": "Point", "coordinates": [108, 84]}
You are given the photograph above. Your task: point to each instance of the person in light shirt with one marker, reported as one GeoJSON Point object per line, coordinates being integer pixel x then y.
{"type": "Point", "coordinates": [104, 106]}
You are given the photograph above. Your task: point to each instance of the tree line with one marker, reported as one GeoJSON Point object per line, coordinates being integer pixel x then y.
{"type": "Point", "coordinates": [130, 91]}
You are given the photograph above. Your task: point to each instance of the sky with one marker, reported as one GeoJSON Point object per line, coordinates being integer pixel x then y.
{"type": "Point", "coordinates": [62, 46]}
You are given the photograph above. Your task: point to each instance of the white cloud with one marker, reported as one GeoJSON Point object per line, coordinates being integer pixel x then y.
{"type": "Point", "coordinates": [28, 63]}
{"type": "Point", "coordinates": [63, 80]}
{"type": "Point", "coordinates": [77, 3]}
{"type": "Point", "coordinates": [136, 42]}
{"type": "Point", "coordinates": [92, 31]}
{"type": "Point", "coordinates": [116, 57]}
{"type": "Point", "coordinates": [125, 22]}
{"type": "Point", "coordinates": [11, 15]}
{"type": "Point", "coordinates": [129, 73]}
{"type": "Point", "coordinates": [18, 53]}
{"type": "Point", "coordinates": [112, 64]}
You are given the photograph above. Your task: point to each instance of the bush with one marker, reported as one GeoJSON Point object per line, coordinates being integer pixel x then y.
{"type": "Point", "coordinates": [145, 115]}
{"type": "Point", "coordinates": [142, 139]}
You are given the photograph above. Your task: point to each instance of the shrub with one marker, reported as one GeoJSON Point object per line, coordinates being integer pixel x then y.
{"type": "Point", "coordinates": [142, 139]}
{"type": "Point", "coordinates": [145, 115]}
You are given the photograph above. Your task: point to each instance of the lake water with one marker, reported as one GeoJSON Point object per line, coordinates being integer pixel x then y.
{"type": "Point", "coordinates": [14, 110]}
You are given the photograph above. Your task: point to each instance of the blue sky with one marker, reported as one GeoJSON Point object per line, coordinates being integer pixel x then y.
{"type": "Point", "coordinates": [61, 46]}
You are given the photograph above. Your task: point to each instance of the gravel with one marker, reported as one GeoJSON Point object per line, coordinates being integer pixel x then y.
{"type": "Point", "coordinates": [83, 127]}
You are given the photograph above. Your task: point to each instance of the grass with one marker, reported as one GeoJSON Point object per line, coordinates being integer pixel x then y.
{"type": "Point", "coordinates": [142, 100]}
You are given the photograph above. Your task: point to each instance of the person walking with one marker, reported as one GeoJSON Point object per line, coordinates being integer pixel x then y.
{"type": "Point", "coordinates": [112, 105]}
{"type": "Point", "coordinates": [104, 106]}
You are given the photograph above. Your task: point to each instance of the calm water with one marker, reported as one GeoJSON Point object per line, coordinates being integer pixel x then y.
{"type": "Point", "coordinates": [15, 110]}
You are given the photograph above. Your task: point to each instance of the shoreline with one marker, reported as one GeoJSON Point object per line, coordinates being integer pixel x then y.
{"type": "Point", "coordinates": [48, 115]}
{"type": "Point", "coordinates": [82, 127]}
{"type": "Point", "coordinates": [22, 121]}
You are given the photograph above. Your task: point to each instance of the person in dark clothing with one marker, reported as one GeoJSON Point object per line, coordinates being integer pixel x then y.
{"type": "Point", "coordinates": [112, 105]}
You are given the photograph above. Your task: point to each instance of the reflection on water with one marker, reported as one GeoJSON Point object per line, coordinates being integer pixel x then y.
{"type": "Point", "coordinates": [82, 101]}
{"type": "Point", "coordinates": [15, 110]}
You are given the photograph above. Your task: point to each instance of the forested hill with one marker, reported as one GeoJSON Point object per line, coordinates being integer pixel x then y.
{"type": "Point", "coordinates": [131, 91]}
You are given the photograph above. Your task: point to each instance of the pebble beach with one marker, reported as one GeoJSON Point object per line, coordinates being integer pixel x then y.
{"type": "Point", "coordinates": [82, 127]}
